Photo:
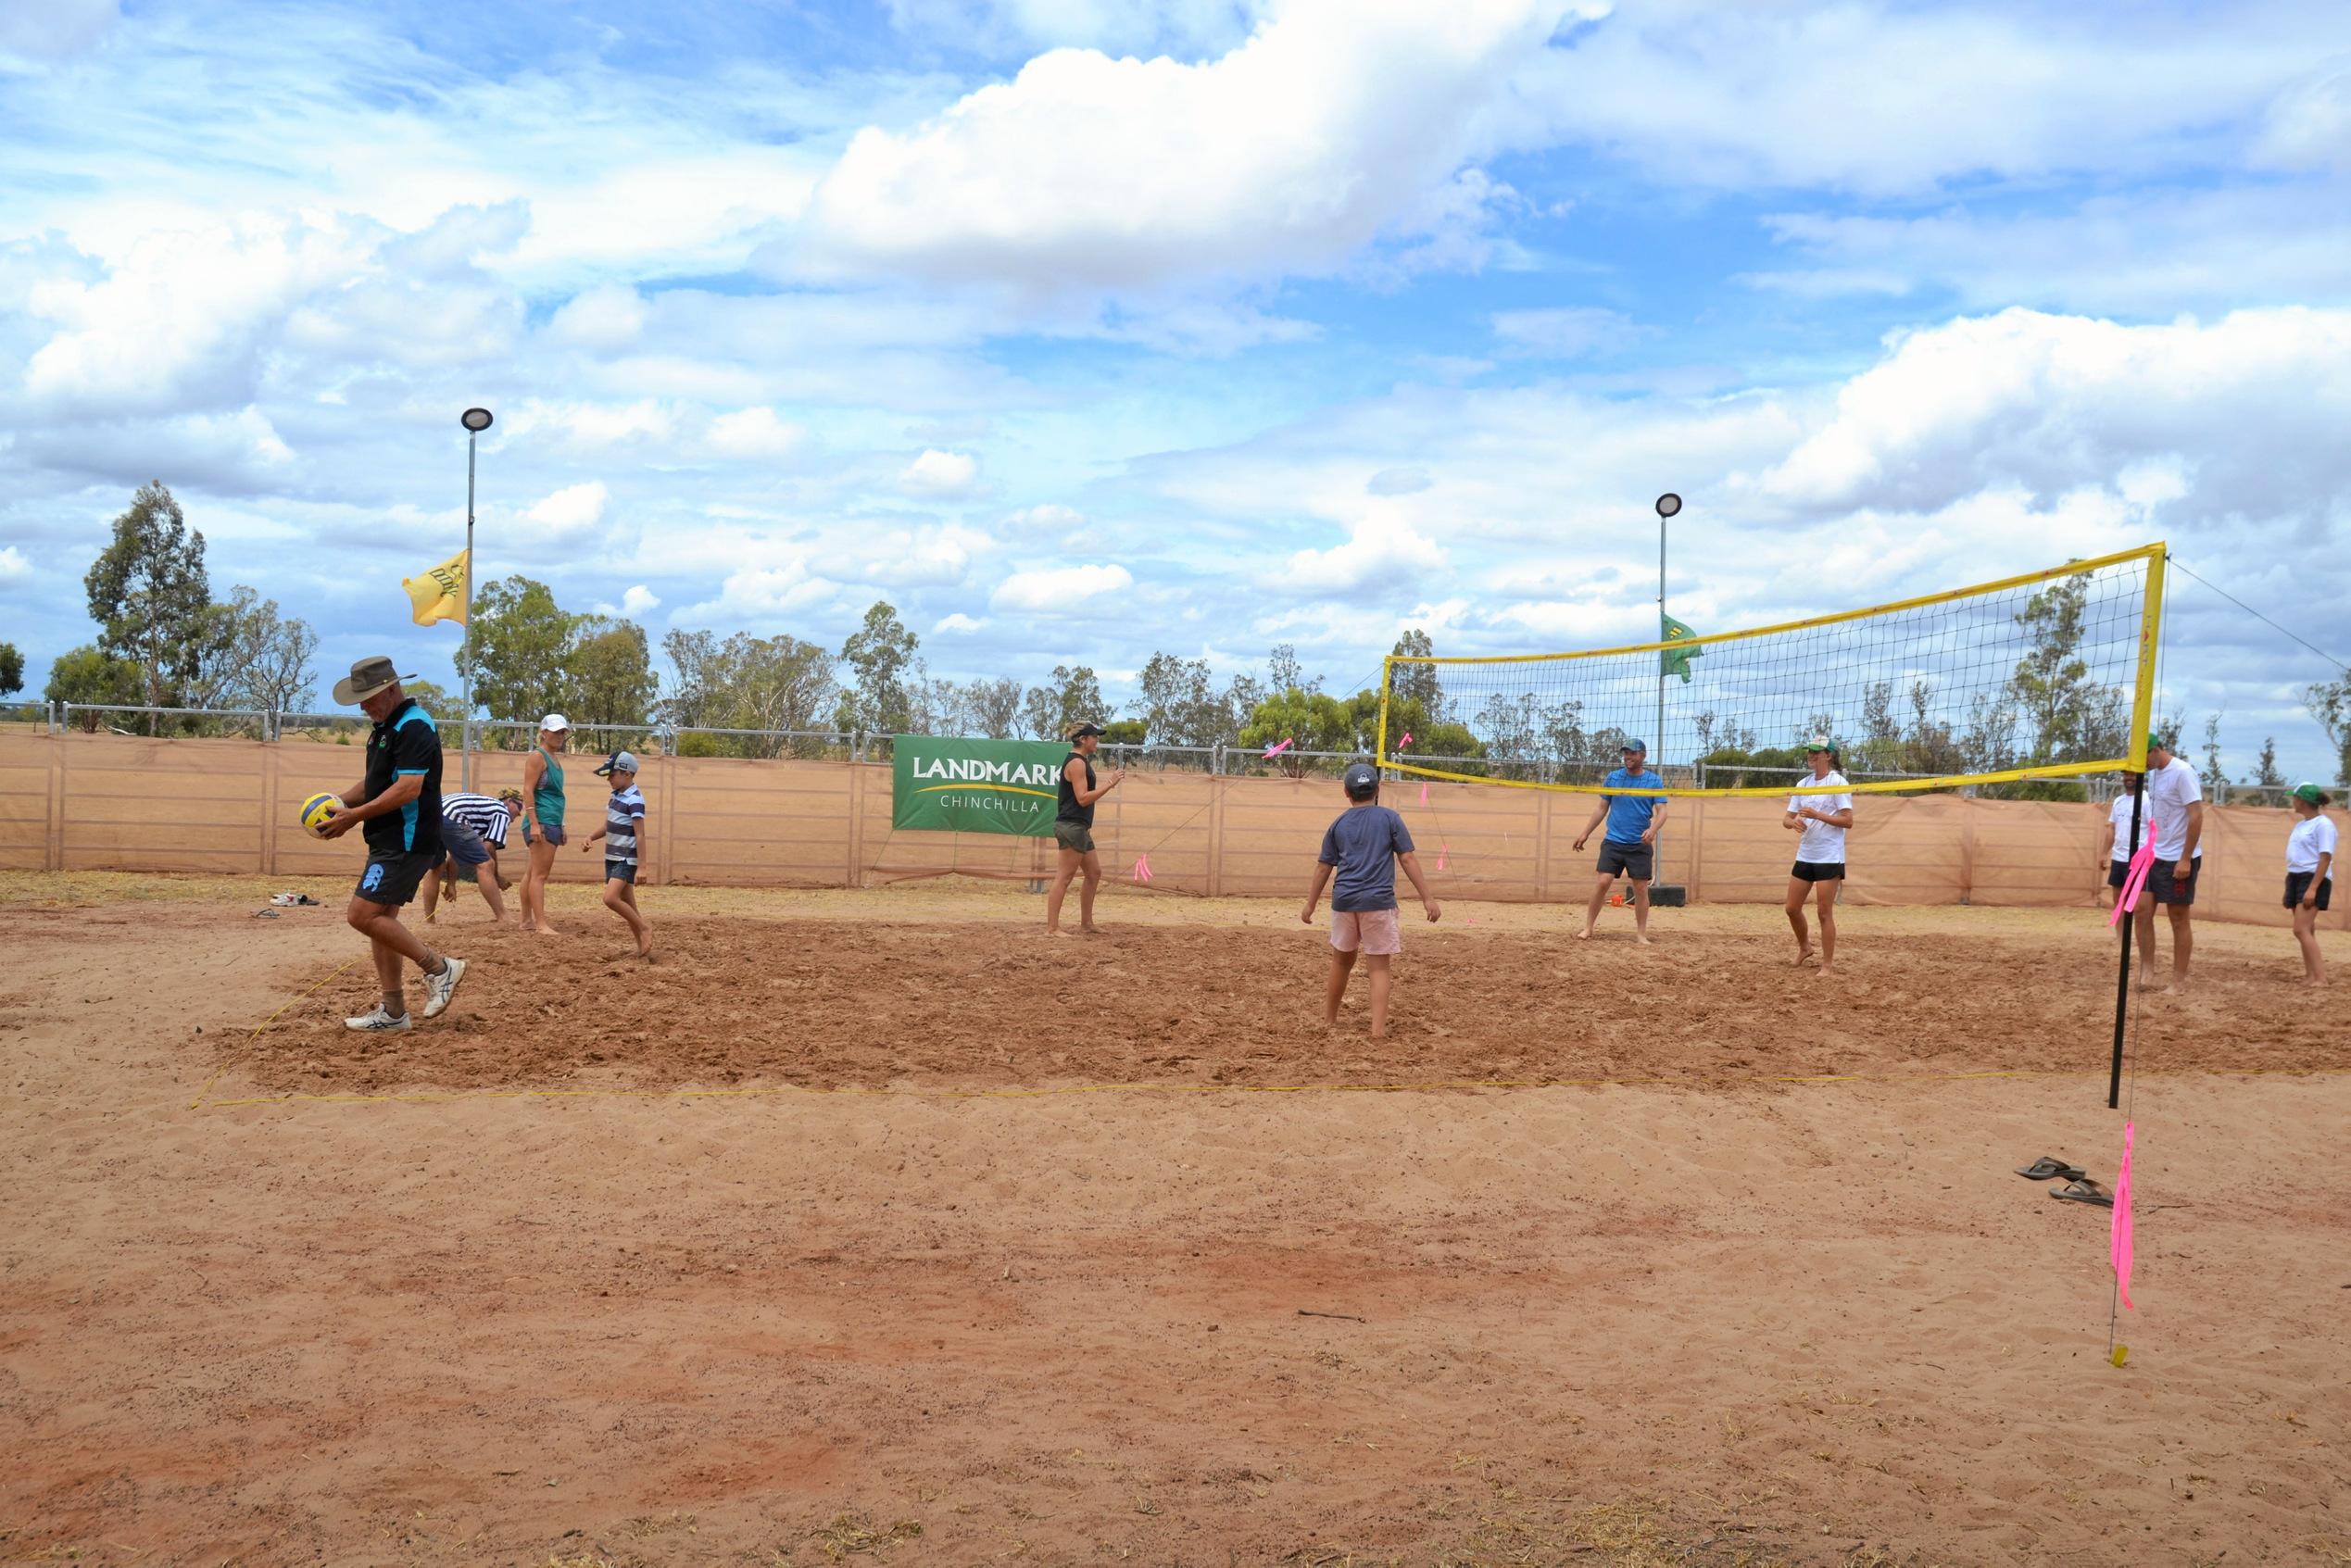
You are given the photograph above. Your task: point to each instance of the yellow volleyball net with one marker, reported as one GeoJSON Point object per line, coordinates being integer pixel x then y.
{"type": "Point", "coordinates": [2046, 675]}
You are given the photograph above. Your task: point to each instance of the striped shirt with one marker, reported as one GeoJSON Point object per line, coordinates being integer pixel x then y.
{"type": "Point", "coordinates": [486, 817]}
{"type": "Point", "coordinates": [621, 817]}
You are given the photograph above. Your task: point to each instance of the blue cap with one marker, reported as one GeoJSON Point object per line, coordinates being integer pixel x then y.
{"type": "Point", "coordinates": [1360, 781]}
{"type": "Point", "coordinates": [1639, 745]}
{"type": "Point", "coordinates": [619, 762]}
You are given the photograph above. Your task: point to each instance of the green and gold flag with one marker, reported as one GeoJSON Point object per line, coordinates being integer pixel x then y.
{"type": "Point", "coordinates": [1676, 661]}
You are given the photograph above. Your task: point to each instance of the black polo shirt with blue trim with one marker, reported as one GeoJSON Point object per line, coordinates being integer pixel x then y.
{"type": "Point", "coordinates": [403, 745]}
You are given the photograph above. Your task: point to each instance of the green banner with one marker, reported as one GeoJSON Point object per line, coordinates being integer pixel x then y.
{"type": "Point", "coordinates": [950, 785]}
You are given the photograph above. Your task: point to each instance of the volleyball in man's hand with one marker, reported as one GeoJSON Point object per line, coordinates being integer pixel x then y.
{"type": "Point", "coordinates": [318, 812]}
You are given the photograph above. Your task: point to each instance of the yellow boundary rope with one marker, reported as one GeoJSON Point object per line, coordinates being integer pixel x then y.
{"type": "Point", "coordinates": [452, 1097]}
{"type": "Point", "coordinates": [197, 1103]}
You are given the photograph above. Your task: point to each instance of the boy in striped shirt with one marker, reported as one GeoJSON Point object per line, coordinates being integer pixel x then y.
{"type": "Point", "coordinates": [624, 833]}
{"type": "Point", "coordinates": [473, 831]}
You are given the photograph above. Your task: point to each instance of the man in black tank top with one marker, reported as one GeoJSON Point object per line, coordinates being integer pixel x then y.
{"type": "Point", "coordinates": [1073, 828]}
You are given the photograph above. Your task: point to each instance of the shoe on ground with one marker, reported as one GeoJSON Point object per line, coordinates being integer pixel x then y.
{"type": "Point", "coordinates": [378, 1023]}
{"type": "Point", "coordinates": [439, 988]}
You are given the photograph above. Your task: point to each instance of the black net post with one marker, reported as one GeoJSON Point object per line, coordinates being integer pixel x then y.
{"type": "Point", "coordinates": [2122, 980]}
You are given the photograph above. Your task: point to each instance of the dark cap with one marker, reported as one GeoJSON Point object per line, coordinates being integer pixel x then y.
{"type": "Point", "coordinates": [619, 762]}
{"type": "Point", "coordinates": [1639, 745]}
{"type": "Point", "coordinates": [1088, 728]}
{"type": "Point", "coordinates": [1360, 781]}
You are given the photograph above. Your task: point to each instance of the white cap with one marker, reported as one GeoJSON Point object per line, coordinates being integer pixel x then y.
{"type": "Point", "coordinates": [555, 721]}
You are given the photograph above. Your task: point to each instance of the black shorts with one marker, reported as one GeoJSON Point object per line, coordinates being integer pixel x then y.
{"type": "Point", "coordinates": [1636, 861]}
{"type": "Point", "coordinates": [1818, 870]}
{"type": "Point", "coordinates": [620, 871]}
{"type": "Point", "coordinates": [2118, 873]}
{"type": "Point", "coordinates": [2168, 888]}
{"type": "Point", "coordinates": [1076, 838]}
{"type": "Point", "coordinates": [2299, 882]}
{"type": "Point", "coordinates": [391, 879]}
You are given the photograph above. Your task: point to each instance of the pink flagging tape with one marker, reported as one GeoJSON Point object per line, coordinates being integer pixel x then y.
{"type": "Point", "coordinates": [1442, 852]}
{"type": "Point", "coordinates": [1424, 792]}
{"type": "Point", "coordinates": [1277, 750]}
{"type": "Point", "coordinates": [2126, 899]}
{"type": "Point", "coordinates": [2121, 1235]}
{"type": "Point", "coordinates": [1143, 867]}
{"type": "Point", "coordinates": [1406, 741]}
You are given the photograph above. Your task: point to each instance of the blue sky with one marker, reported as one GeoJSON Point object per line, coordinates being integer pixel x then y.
{"type": "Point", "coordinates": [1083, 328]}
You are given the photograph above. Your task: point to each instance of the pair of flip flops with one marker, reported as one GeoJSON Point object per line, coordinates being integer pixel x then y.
{"type": "Point", "coordinates": [2078, 1187]}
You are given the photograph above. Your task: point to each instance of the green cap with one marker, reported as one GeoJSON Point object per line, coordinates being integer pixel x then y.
{"type": "Point", "coordinates": [2310, 791]}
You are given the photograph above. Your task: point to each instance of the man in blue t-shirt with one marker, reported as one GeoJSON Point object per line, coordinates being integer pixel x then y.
{"type": "Point", "coordinates": [1365, 846]}
{"type": "Point", "coordinates": [1634, 822]}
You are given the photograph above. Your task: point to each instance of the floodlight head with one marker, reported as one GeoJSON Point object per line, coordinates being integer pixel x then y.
{"type": "Point", "coordinates": [1669, 504]}
{"type": "Point", "coordinates": [475, 419]}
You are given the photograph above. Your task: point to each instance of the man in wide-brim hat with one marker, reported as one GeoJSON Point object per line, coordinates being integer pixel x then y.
{"type": "Point", "coordinates": [398, 805]}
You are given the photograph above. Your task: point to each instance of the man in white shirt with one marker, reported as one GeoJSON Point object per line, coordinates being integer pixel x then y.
{"type": "Point", "coordinates": [2176, 799]}
{"type": "Point", "coordinates": [1819, 871]}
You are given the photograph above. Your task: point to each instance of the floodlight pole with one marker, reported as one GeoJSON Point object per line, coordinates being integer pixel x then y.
{"type": "Point", "coordinates": [1667, 505]}
{"type": "Point", "coordinates": [475, 420]}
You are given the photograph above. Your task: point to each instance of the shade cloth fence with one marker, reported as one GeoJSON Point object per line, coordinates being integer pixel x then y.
{"type": "Point", "coordinates": [80, 802]}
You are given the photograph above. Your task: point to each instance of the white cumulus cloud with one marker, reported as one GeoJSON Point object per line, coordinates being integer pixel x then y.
{"type": "Point", "coordinates": [1059, 590]}
{"type": "Point", "coordinates": [13, 565]}
{"type": "Point", "coordinates": [1382, 552]}
{"type": "Point", "coordinates": [940, 474]}
{"type": "Point", "coordinates": [571, 511]}
{"type": "Point", "coordinates": [753, 433]}
{"type": "Point", "coordinates": [1333, 121]}
{"type": "Point", "coordinates": [763, 595]}
{"type": "Point", "coordinates": [2049, 403]}
{"type": "Point", "coordinates": [608, 315]}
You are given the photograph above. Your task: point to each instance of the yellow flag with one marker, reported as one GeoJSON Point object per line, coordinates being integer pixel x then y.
{"type": "Point", "coordinates": [439, 594]}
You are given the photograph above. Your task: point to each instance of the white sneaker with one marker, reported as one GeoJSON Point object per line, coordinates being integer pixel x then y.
{"type": "Point", "coordinates": [439, 988]}
{"type": "Point", "coordinates": [378, 1023]}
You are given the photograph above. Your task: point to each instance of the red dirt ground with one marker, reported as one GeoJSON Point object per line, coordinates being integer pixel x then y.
{"type": "Point", "coordinates": [831, 1003]}
{"type": "Point", "coordinates": [1629, 1324]}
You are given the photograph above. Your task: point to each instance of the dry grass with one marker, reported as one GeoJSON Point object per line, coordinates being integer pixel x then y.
{"type": "Point", "coordinates": [1514, 1530]}
{"type": "Point", "coordinates": [854, 1535]}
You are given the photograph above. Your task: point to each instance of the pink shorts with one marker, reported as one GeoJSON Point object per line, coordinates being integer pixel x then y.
{"type": "Point", "coordinates": [1373, 930]}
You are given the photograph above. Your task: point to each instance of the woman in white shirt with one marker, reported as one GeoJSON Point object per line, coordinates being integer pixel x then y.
{"type": "Point", "coordinates": [2310, 874]}
{"type": "Point", "coordinates": [2117, 844]}
{"type": "Point", "coordinates": [1819, 871]}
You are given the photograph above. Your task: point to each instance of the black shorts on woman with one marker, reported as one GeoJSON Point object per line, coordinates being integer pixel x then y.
{"type": "Point", "coordinates": [1818, 870]}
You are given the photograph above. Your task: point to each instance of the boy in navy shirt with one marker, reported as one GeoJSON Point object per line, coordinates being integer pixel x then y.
{"type": "Point", "coordinates": [1364, 846]}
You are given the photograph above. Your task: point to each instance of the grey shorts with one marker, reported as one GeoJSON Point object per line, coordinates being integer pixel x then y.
{"type": "Point", "coordinates": [465, 845]}
{"type": "Point", "coordinates": [1074, 836]}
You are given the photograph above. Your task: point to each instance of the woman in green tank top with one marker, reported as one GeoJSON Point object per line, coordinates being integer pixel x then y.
{"type": "Point", "coordinates": [543, 818]}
